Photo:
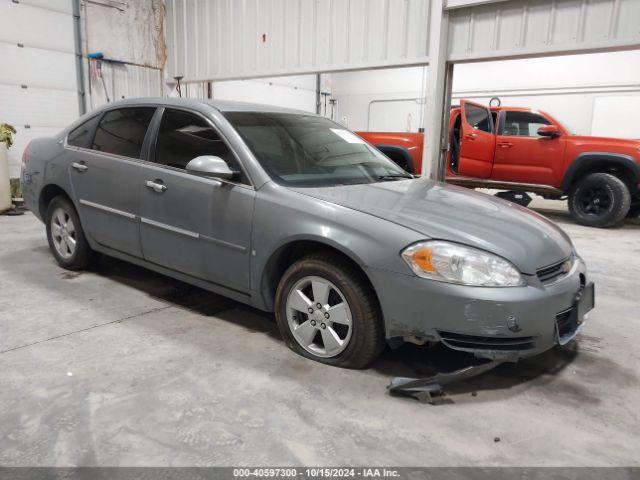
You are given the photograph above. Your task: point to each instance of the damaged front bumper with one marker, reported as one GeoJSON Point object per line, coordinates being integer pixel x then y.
{"type": "Point", "coordinates": [504, 324]}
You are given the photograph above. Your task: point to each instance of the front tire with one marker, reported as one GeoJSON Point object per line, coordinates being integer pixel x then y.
{"type": "Point", "coordinates": [67, 241]}
{"type": "Point", "coordinates": [599, 200]}
{"type": "Point", "coordinates": [634, 210]}
{"type": "Point", "coordinates": [327, 312]}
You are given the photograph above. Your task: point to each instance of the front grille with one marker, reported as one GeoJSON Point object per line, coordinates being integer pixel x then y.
{"type": "Point", "coordinates": [474, 342]}
{"type": "Point", "coordinates": [552, 272]}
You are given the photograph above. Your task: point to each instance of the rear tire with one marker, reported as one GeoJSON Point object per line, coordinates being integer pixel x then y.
{"type": "Point", "coordinates": [599, 200]}
{"type": "Point", "coordinates": [67, 241]}
{"type": "Point", "coordinates": [349, 312]}
{"type": "Point", "coordinates": [634, 210]}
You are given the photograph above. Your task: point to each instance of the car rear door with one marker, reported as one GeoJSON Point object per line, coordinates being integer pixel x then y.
{"type": "Point", "coordinates": [477, 141]}
{"type": "Point", "coordinates": [192, 224]}
{"type": "Point", "coordinates": [105, 170]}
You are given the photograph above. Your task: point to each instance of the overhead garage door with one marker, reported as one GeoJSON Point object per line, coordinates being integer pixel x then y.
{"type": "Point", "coordinates": [38, 86]}
{"type": "Point", "coordinates": [229, 39]}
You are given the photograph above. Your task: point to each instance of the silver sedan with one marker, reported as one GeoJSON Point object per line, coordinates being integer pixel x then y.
{"type": "Point", "coordinates": [294, 214]}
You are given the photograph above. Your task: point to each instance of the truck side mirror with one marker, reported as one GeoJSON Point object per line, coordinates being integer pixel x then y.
{"type": "Point", "coordinates": [550, 131]}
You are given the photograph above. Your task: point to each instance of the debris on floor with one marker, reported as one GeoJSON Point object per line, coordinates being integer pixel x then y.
{"type": "Point", "coordinates": [17, 208]}
{"type": "Point", "coordinates": [425, 389]}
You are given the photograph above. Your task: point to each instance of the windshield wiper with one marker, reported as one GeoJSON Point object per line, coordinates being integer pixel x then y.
{"type": "Point", "coordinates": [394, 175]}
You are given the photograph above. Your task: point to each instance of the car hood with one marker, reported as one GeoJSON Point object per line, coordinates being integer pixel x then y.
{"type": "Point", "coordinates": [447, 212]}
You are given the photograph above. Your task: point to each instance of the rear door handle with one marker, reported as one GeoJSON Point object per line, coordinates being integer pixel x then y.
{"type": "Point", "coordinates": [81, 167]}
{"type": "Point", "coordinates": [505, 145]}
{"type": "Point", "coordinates": [156, 186]}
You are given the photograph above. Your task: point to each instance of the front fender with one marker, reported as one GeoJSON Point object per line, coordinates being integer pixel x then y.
{"type": "Point", "coordinates": [283, 216]}
{"type": "Point", "coordinates": [587, 160]}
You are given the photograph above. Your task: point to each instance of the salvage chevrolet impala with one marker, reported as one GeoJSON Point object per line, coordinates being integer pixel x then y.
{"type": "Point", "coordinates": [292, 213]}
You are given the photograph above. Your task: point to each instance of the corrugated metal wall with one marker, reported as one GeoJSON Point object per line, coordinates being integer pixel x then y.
{"type": "Point", "coordinates": [226, 39]}
{"type": "Point", "coordinates": [521, 28]}
{"type": "Point", "coordinates": [125, 81]}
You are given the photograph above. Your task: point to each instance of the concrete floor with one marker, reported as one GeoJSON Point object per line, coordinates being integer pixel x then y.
{"type": "Point", "coordinates": [121, 366]}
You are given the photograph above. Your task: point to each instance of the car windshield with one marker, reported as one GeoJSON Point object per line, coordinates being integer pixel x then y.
{"type": "Point", "coordinates": [310, 151]}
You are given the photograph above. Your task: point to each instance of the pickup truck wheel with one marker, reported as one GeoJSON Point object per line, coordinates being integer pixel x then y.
{"type": "Point", "coordinates": [66, 238]}
{"type": "Point", "coordinates": [634, 210]}
{"type": "Point", "coordinates": [326, 312]}
{"type": "Point", "coordinates": [599, 200]}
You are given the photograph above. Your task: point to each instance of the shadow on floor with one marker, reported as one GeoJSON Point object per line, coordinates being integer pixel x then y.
{"type": "Point", "coordinates": [407, 361]}
{"type": "Point", "coordinates": [185, 296]}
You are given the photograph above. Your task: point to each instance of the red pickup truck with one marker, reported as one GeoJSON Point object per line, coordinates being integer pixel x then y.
{"type": "Point", "coordinates": [525, 150]}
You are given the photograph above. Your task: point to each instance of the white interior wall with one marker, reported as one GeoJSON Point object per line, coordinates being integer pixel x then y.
{"type": "Point", "coordinates": [38, 84]}
{"type": "Point", "coordinates": [297, 92]}
{"type": "Point", "coordinates": [38, 90]}
{"type": "Point", "coordinates": [394, 93]}
{"type": "Point", "coordinates": [577, 89]}
{"type": "Point", "coordinates": [568, 87]}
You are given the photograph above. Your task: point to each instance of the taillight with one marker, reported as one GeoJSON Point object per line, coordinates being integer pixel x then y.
{"type": "Point", "coordinates": [24, 156]}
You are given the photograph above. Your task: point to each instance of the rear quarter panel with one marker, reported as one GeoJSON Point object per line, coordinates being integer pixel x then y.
{"type": "Point", "coordinates": [46, 164]}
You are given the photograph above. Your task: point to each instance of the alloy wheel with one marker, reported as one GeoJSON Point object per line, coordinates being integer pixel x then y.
{"type": "Point", "coordinates": [319, 317]}
{"type": "Point", "coordinates": [63, 233]}
{"type": "Point", "coordinates": [595, 200]}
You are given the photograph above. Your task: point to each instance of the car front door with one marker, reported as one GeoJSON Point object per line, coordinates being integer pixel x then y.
{"type": "Point", "coordinates": [105, 165]}
{"type": "Point", "coordinates": [522, 155]}
{"type": "Point", "coordinates": [192, 224]}
{"type": "Point", "coordinates": [477, 141]}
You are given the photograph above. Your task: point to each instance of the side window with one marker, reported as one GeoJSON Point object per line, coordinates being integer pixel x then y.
{"type": "Point", "coordinates": [122, 131]}
{"type": "Point", "coordinates": [522, 124]}
{"type": "Point", "coordinates": [184, 136]}
{"type": "Point", "coordinates": [478, 117]}
{"type": "Point", "coordinates": [81, 135]}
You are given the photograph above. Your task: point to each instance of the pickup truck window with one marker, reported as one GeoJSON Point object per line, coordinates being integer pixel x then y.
{"type": "Point", "coordinates": [478, 117]}
{"type": "Point", "coordinates": [522, 124]}
{"type": "Point", "coordinates": [309, 151]}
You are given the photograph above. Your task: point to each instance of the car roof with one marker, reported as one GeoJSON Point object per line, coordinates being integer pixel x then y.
{"type": "Point", "coordinates": [220, 105]}
{"type": "Point", "coordinates": [513, 109]}
{"type": "Point", "coordinates": [497, 109]}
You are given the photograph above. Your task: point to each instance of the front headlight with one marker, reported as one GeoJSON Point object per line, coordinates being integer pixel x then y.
{"type": "Point", "coordinates": [454, 263]}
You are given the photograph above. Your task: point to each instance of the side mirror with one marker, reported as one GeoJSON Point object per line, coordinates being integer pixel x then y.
{"type": "Point", "coordinates": [549, 131]}
{"type": "Point", "coordinates": [210, 166]}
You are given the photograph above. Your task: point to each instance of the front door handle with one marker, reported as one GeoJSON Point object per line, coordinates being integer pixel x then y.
{"type": "Point", "coordinates": [81, 167]}
{"type": "Point", "coordinates": [156, 186]}
{"type": "Point", "coordinates": [470, 136]}
{"type": "Point", "coordinates": [505, 145]}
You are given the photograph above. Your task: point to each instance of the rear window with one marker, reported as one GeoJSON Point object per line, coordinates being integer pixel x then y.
{"type": "Point", "coordinates": [81, 136]}
{"type": "Point", "coordinates": [122, 131]}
